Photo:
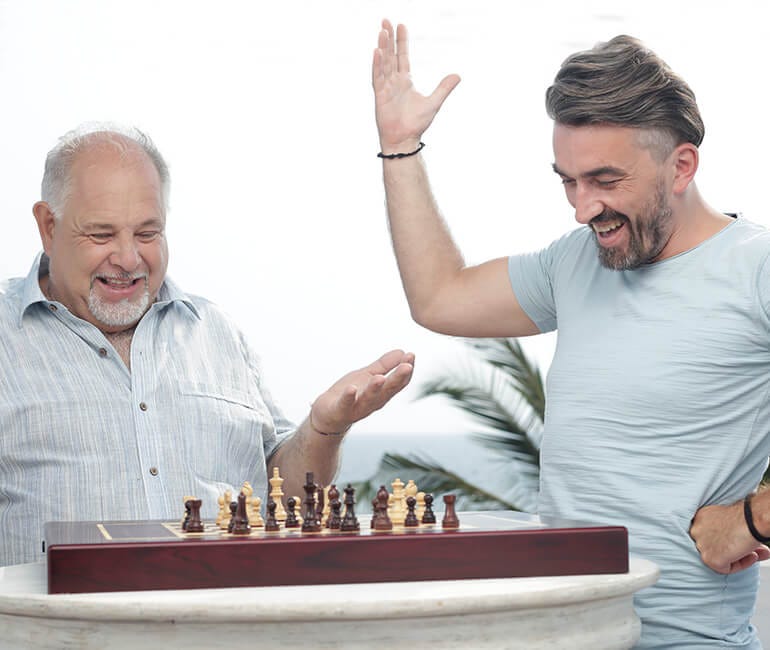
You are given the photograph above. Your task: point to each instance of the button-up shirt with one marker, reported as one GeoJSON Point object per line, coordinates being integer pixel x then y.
{"type": "Point", "coordinates": [83, 438]}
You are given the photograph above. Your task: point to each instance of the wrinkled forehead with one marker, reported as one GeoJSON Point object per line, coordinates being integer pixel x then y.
{"type": "Point", "coordinates": [579, 149]}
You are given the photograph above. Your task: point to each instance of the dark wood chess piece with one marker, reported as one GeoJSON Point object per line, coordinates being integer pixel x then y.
{"type": "Point", "coordinates": [233, 509]}
{"type": "Point", "coordinates": [349, 520]}
{"type": "Point", "coordinates": [186, 520]}
{"type": "Point", "coordinates": [241, 525]}
{"type": "Point", "coordinates": [271, 523]}
{"type": "Point", "coordinates": [320, 504]}
{"type": "Point", "coordinates": [381, 520]}
{"type": "Point", "coordinates": [291, 514]}
{"type": "Point", "coordinates": [450, 519]}
{"type": "Point", "coordinates": [428, 516]}
{"type": "Point", "coordinates": [334, 521]}
{"type": "Point", "coordinates": [411, 521]}
{"type": "Point", "coordinates": [194, 523]}
{"type": "Point", "coordinates": [310, 523]}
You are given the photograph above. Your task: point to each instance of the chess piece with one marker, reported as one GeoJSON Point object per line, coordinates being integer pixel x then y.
{"type": "Point", "coordinates": [450, 519]}
{"type": "Point", "coordinates": [233, 509]}
{"type": "Point", "coordinates": [428, 517]}
{"type": "Point", "coordinates": [420, 505]}
{"type": "Point", "coordinates": [255, 517]}
{"type": "Point", "coordinates": [297, 510]}
{"type": "Point", "coordinates": [349, 520]}
{"type": "Point", "coordinates": [310, 523]}
{"type": "Point", "coordinates": [334, 521]}
{"type": "Point", "coordinates": [381, 520]}
{"type": "Point", "coordinates": [276, 494]}
{"type": "Point", "coordinates": [291, 515]}
{"type": "Point", "coordinates": [327, 506]}
{"type": "Point", "coordinates": [271, 523]}
{"type": "Point", "coordinates": [194, 524]}
{"type": "Point", "coordinates": [223, 515]}
{"type": "Point", "coordinates": [187, 509]}
{"type": "Point", "coordinates": [411, 521]}
{"type": "Point", "coordinates": [320, 504]}
{"type": "Point", "coordinates": [398, 508]}
{"type": "Point", "coordinates": [241, 524]}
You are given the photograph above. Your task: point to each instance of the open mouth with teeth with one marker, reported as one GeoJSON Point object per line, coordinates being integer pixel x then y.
{"type": "Point", "coordinates": [608, 229]}
{"type": "Point", "coordinates": [119, 286]}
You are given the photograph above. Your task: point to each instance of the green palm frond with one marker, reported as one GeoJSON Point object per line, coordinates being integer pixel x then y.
{"type": "Point", "coordinates": [508, 356]}
{"type": "Point", "coordinates": [430, 477]}
{"type": "Point", "coordinates": [501, 391]}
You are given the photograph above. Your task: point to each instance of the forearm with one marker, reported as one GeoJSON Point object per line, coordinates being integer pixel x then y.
{"type": "Point", "coordinates": [428, 259]}
{"type": "Point", "coordinates": [306, 451]}
{"type": "Point", "coordinates": [760, 512]}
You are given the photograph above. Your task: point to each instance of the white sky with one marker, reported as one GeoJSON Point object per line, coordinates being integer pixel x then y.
{"type": "Point", "coordinates": [264, 112]}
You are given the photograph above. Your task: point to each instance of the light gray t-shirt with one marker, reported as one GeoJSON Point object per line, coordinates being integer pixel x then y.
{"type": "Point", "coordinates": [657, 404]}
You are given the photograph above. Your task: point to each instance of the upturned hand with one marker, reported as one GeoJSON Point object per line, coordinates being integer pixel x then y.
{"type": "Point", "coordinates": [361, 392]}
{"type": "Point", "coordinates": [401, 112]}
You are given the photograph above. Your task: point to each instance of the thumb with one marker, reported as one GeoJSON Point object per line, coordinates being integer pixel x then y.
{"type": "Point", "coordinates": [445, 87]}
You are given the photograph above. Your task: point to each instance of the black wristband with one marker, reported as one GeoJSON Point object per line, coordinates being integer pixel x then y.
{"type": "Point", "coordinates": [750, 521]}
{"type": "Point", "coordinates": [391, 156]}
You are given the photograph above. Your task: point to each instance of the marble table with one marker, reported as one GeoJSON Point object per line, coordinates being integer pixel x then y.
{"type": "Point", "coordinates": [589, 611]}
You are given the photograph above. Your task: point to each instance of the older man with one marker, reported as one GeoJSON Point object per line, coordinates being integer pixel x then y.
{"type": "Point", "coordinates": [658, 413]}
{"type": "Point", "coordinates": [120, 393]}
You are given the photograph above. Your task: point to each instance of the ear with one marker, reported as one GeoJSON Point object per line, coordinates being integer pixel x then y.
{"type": "Point", "coordinates": [46, 224]}
{"type": "Point", "coordinates": [685, 163]}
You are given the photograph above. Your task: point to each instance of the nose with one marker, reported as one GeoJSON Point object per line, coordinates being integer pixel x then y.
{"type": "Point", "coordinates": [587, 205]}
{"type": "Point", "coordinates": [125, 253]}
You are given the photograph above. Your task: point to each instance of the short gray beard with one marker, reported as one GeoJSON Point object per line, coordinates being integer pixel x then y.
{"type": "Point", "coordinates": [119, 314]}
{"type": "Point", "coordinates": [648, 236]}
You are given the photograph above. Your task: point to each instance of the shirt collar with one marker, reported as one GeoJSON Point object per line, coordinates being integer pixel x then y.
{"type": "Point", "coordinates": [32, 294]}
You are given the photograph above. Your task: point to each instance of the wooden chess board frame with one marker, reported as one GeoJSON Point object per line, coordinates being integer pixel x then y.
{"type": "Point", "coordinates": [144, 555]}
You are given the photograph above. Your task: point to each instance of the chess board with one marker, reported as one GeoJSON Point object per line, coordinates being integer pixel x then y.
{"type": "Point", "coordinates": [145, 555]}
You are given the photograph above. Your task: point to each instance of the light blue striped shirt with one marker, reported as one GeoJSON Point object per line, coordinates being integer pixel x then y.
{"type": "Point", "coordinates": [657, 404]}
{"type": "Point", "coordinates": [84, 438]}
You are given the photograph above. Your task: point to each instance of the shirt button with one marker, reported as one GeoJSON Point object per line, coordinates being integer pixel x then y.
{"type": "Point", "coordinates": [52, 307]}
{"type": "Point", "coordinates": [143, 406]}
{"type": "Point", "coordinates": [102, 352]}
{"type": "Point", "coordinates": [154, 471]}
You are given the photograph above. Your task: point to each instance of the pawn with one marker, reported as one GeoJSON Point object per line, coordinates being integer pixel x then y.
{"type": "Point", "coordinates": [271, 523]}
{"type": "Point", "coordinates": [450, 519]}
{"type": "Point", "coordinates": [291, 514]}
{"type": "Point", "coordinates": [334, 522]}
{"type": "Point", "coordinates": [381, 520]}
{"type": "Point", "coordinates": [411, 521]}
{"type": "Point", "coordinates": [428, 517]}
{"type": "Point", "coordinates": [241, 524]}
{"type": "Point", "coordinates": [349, 520]}
{"type": "Point", "coordinates": [233, 509]}
{"type": "Point", "coordinates": [255, 517]}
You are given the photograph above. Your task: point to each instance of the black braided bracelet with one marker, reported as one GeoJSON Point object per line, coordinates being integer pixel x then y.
{"type": "Point", "coordinates": [391, 156]}
{"type": "Point", "coordinates": [750, 522]}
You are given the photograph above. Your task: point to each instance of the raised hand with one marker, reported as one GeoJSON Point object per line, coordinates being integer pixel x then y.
{"type": "Point", "coordinates": [401, 112]}
{"type": "Point", "coordinates": [361, 392]}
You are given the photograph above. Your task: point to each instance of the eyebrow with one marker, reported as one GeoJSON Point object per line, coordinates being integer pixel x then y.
{"type": "Point", "coordinates": [97, 225]}
{"type": "Point", "coordinates": [607, 170]}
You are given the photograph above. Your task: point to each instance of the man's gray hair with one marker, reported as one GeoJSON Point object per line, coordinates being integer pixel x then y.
{"type": "Point", "coordinates": [623, 83]}
{"type": "Point", "coordinates": [56, 186]}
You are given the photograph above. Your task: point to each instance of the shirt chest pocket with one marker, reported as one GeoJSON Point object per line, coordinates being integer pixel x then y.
{"type": "Point", "coordinates": [223, 431]}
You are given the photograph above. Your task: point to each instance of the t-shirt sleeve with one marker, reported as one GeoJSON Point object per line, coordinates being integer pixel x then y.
{"type": "Point", "coordinates": [531, 281]}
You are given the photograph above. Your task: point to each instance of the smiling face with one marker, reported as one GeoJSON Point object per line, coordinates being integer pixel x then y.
{"type": "Point", "coordinates": [619, 189]}
{"type": "Point", "coordinates": [108, 251]}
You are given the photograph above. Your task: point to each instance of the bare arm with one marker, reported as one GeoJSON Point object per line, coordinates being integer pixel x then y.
{"type": "Point", "coordinates": [316, 445]}
{"type": "Point", "coordinates": [443, 293]}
